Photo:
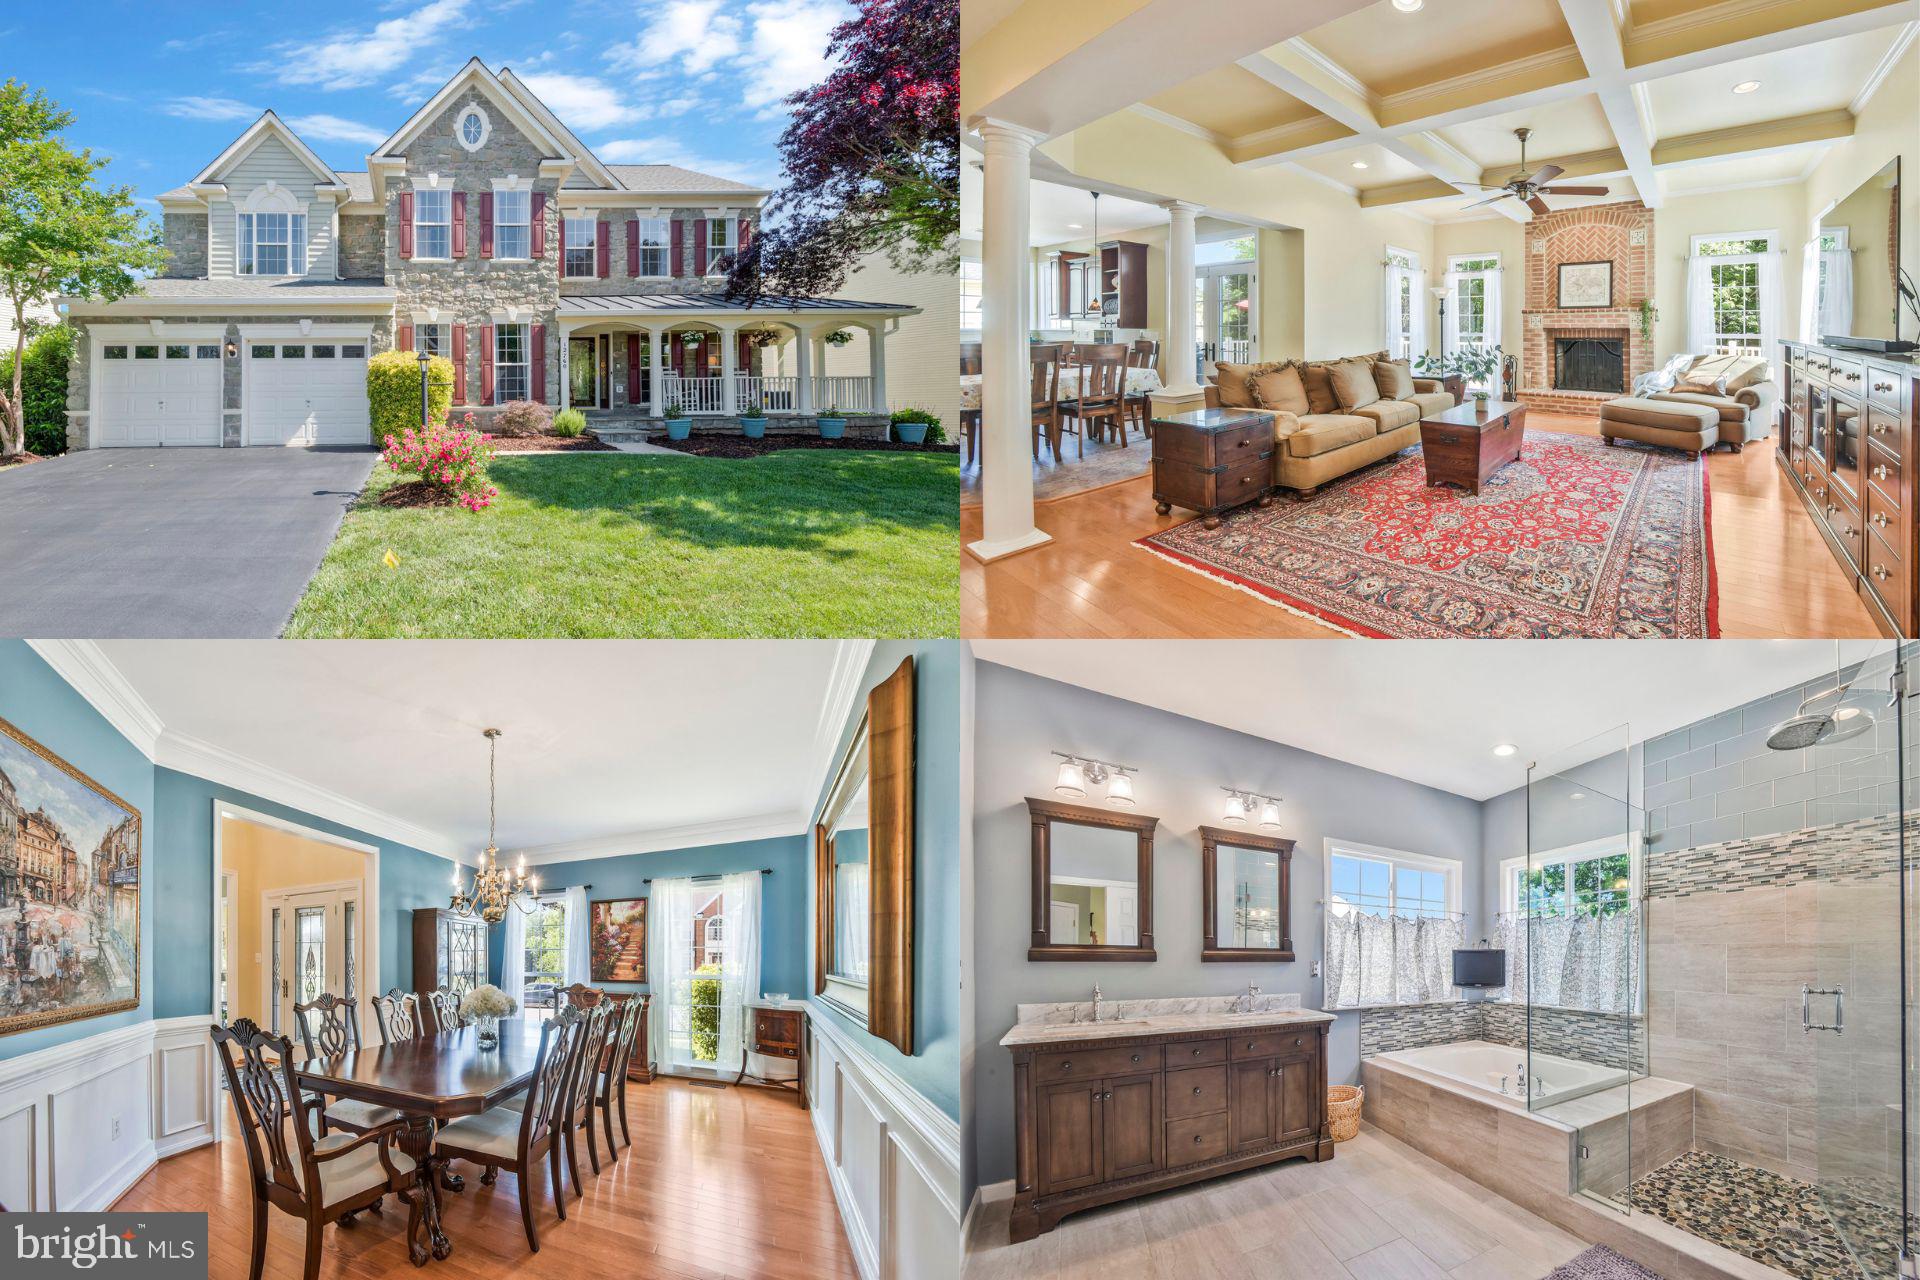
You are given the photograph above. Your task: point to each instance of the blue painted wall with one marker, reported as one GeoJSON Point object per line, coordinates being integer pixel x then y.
{"type": "Point", "coordinates": [934, 1068]}
{"type": "Point", "coordinates": [41, 705]}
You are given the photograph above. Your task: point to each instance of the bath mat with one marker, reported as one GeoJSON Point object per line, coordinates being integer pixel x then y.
{"type": "Point", "coordinates": [1602, 1263]}
{"type": "Point", "coordinates": [1577, 538]}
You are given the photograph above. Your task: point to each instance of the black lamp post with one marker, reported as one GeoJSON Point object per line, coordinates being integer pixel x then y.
{"type": "Point", "coordinates": [425, 362]}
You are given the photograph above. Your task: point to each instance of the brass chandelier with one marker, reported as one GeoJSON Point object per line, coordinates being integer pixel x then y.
{"type": "Point", "coordinates": [494, 887]}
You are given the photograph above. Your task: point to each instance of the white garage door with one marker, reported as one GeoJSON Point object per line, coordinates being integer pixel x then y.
{"type": "Point", "coordinates": [158, 393]}
{"type": "Point", "coordinates": [307, 392]}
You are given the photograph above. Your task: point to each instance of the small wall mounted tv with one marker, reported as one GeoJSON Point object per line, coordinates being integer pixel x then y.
{"type": "Point", "coordinates": [1480, 967]}
{"type": "Point", "coordinates": [1860, 277]}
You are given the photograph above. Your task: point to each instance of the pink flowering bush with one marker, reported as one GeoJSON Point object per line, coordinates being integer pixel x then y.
{"type": "Point", "coordinates": [451, 459]}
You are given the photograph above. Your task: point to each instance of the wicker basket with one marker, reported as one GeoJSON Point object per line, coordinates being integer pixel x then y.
{"type": "Point", "coordinates": [1343, 1110]}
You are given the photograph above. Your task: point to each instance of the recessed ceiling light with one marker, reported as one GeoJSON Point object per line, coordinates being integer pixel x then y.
{"type": "Point", "coordinates": [1746, 86]}
{"type": "Point", "coordinates": [1074, 226]}
{"type": "Point", "coordinates": [1408, 6]}
{"type": "Point", "coordinates": [1359, 164]}
{"type": "Point", "coordinates": [1505, 749]}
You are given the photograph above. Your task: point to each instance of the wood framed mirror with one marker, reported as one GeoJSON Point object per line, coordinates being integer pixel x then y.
{"type": "Point", "coordinates": [863, 870]}
{"type": "Point", "coordinates": [1246, 896]}
{"type": "Point", "coordinates": [1092, 883]}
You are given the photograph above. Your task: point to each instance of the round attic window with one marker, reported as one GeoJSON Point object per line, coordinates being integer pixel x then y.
{"type": "Point", "coordinates": [472, 128]}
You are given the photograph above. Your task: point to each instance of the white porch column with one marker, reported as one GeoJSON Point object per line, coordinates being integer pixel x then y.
{"type": "Point", "coordinates": [656, 374]}
{"type": "Point", "coordinates": [729, 361]}
{"type": "Point", "coordinates": [803, 367]}
{"type": "Point", "coordinates": [1006, 466]}
{"type": "Point", "coordinates": [877, 365]}
{"type": "Point", "coordinates": [1183, 394]}
{"type": "Point", "coordinates": [566, 360]}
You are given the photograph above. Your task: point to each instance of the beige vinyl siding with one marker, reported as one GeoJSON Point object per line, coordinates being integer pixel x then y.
{"type": "Point", "coordinates": [270, 161]}
{"type": "Point", "coordinates": [923, 360]}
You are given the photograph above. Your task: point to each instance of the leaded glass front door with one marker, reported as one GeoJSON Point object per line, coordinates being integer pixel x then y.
{"type": "Point", "coordinates": [316, 946]}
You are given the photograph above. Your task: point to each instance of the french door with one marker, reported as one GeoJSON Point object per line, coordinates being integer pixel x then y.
{"type": "Point", "coordinates": [1225, 322]}
{"type": "Point", "coordinates": [314, 940]}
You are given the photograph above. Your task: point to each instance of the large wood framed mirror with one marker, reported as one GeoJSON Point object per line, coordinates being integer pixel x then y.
{"type": "Point", "coordinates": [863, 870]}
{"type": "Point", "coordinates": [1092, 883]}
{"type": "Point", "coordinates": [1246, 898]}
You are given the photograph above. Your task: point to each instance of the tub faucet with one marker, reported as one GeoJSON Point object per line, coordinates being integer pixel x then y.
{"type": "Point", "coordinates": [1520, 1069]}
{"type": "Point", "coordinates": [1096, 1002]}
{"type": "Point", "coordinates": [1244, 1003]}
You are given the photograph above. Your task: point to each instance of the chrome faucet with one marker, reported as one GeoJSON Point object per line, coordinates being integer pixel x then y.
{"type": "Point", "coordinates": [1244, 1003]}
{"type": "Point", "coordinates": [1521, 1082]}
{"type": "Point", "coordinates": [1096, 1002]}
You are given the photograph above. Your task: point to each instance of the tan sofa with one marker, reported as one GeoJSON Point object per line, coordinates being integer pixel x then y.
{"type": "Point", "coordinates": [1745, 412]}
{"type": "Point", "coordinates": [1313, 448]}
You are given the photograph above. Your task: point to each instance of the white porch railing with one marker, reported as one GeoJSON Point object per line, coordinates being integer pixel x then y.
{"type": "Point", "coordinates": [842, 392]}
{"type": "Point", "coordinates": [774, 394]}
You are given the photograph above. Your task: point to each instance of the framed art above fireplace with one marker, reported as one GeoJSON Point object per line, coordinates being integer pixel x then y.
{"type": "Point", "coordinates": [1585, 285]}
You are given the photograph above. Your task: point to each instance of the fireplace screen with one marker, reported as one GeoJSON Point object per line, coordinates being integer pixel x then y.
{"type": "Point", "coordinates": [1589, 364]}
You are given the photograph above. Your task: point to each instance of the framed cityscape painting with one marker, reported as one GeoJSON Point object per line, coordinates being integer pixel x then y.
{"type": "Point", "coordinates": [619, 930]}
{"type": "Point", "coordinates": [69, 891]}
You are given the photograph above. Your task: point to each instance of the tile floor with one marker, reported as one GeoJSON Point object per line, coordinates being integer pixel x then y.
{"type": "Point", "coordinates": [1378, 1211]}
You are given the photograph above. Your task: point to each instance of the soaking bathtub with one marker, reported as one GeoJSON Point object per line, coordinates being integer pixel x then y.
{"type": "Point", "coordinates": [1497, 1068]}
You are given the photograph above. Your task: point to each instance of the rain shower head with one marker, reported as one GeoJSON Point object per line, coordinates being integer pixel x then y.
{"type": "Point", "coordinates": [1833, 715]}
{"type": "Point", "coordinates": [1796, 733]}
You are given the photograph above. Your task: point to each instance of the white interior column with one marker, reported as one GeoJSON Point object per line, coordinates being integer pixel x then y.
{"type": "Point", "coordinates": [1182, 394]}
{"type": "Point", "coordinates": [803, 368]}
{"type": "Point", "coordinates": [566, 361]}
{"type": "Point", "coordinates": [729, 361]}
{"type": "Point", "coordinates": [877, 365]}
{"type": "Point", "coordinates": [1006, 416]}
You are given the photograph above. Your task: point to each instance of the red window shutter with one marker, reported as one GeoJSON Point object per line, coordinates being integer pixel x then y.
{"type": "Point", "coordinates": [486, 224]}
{"type": "Point", "coordinates": [633, 247]}
{"type": "Point", "coordinates": [742, 348]}
{"type": "Point", "coordinates": [699, 246]}
{"type": "Point", "coordinates": [459, 363]}
{"type": "Point", "coordinates": [459, 203]}
{"type": "Point", "coordinates": [406, 339]}
{"type": "Point", "coordinates": [746, 230]}
{"type": "Point", "coordinates": [486, 364]}
{"type": "Point", "coordinates": [677, 357]}
{"type": "Point", "coordinates": [633, 368]}
{"type": "Point", "coordinates": [600, 234]}
{"type": "Point", "coordinates": [537, 334]}
{"type": "Point", "coordinates": [676, 269]}
{"type": "Point", "coordinates": [537, 233]}
{"type": "Point", "coordinates": [406, 224]}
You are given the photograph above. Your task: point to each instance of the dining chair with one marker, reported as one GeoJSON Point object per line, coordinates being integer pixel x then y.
{"type": "Point", "coordinates": [1144, 354]}
{"type": "Point", "coordinates": [970, 358]}
{"type": "Point", "coordinates": [516, 1137]}
{"type": "Point", "coordinates": [398, 1013]}
{"type": "Point", "coordinates": [579, 995]}
{"type": "Point", "coordinates": [970, 363]}
{"type": "Point", "coordinates": [611, 1087]}
{"type": "Point", "coordinates": [330, 1025]}
{"type": "Point", "coordinates": [593, 1047]}
{"type": "Point", "coordinates": [1044, 395]}
{"type": "Point", "coordinates": [1098, 392]}
{"type": "Point", "coordinates": [318, 1180]}
{"type": "Point", "coordinates": [446, 1009]}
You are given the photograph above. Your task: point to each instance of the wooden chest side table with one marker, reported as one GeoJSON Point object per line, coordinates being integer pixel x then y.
{"type": "Point", "coordinates": [778, 1029]}
{"type": "Point", "coordinates": [1212, 460]}
{"type": "Point", "coordinates": [1463, 446]}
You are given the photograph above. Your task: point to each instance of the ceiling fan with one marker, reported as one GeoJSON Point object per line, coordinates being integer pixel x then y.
{"type": "Point", "coordinates": [1531, 188]}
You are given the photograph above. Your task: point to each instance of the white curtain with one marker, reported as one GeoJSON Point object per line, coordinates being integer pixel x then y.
{"type": "Point", "coordinates": [1700, 305]}
{"type": "Point", "coordinates": [1493, 314]}
{"type": "Point", "coordinates": [578, 959]}
{"type": "Point", "coordinates": [1574, 962]}
{"type": "Point", "coordinates": [1810, 291]}
{"type": "Point", "coordinates": [669, 968]}
{"type": "Point", "coordinates": [851, 923]}
{"type": "Point", "coordinates": [1450, 322]}
{"type": "Point", "coordinates": [1420, 300]}
{"type": "Point", "coordinates": [1836, 306]}
{"type": "Point", "coordinates": [740, 965]}
{"type": "Point", "coordinates": [1770, 303]}
{"type": "Point", "coordinates": [1382, 959]}
{"type": "Point", "coordinates": [513, 958]}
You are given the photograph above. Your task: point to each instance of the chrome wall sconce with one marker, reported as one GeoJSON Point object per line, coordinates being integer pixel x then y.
{"type": "Point", "coordinates": [1243, 805]}
{"type": "Point", "coordinates": [1077, 773]}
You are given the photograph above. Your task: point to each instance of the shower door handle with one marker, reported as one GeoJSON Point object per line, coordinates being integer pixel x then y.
{"type": "Point", "coordinates": [1839, 1023]}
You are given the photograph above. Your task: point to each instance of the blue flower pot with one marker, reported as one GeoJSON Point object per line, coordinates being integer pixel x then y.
{"type": "Point", "coordinates": [832, 428]}
{"type": "Point", "coordinates": [753, 428]}
{"type": "Point", "coordinates": [911, 432]}
{"type": "Point", "coordinates": [679, 428]}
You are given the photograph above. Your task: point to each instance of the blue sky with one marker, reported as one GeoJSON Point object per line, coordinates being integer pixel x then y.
{"type": "Point", "coordinates": [162, 87]}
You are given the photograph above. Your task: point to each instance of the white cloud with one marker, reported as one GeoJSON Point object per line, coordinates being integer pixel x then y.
{"type": "Point", "coordinates": [788, 48]}
{"type": "Point", "coordinates": [583, 102]}
{"type": "Point", "coordinates": [335, 129]}
{"type": "Point", "coordinates": [694, 34]}
{"type": "Point", "coordinates": [775, 48]}
{"type": "Point", "coordinates": [209, 109]}
{"type": "Point", "coordinates": [352, 59]}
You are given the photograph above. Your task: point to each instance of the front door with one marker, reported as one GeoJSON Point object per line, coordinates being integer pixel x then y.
{"type": "Point", "coordinates": [583, 379]}
{"type": "Point", "coordinates": [315, 948]}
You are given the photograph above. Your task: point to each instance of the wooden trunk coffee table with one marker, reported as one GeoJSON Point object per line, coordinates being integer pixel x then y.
{"type": "Point", "coordinates": [1464, 446]}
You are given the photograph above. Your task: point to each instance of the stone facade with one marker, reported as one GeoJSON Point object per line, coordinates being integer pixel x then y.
{"type": "Point", "coordinates": [185, 236]}
{"type": "Point", "coordinates": [363, 247]}
{"type": "Point", "coordinates": [1618, 233]}
{"type": "Point", "coordinates": [618, 281]}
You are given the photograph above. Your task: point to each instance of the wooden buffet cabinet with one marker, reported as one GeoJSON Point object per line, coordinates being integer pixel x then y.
{"type": "Point", "coordinates": [1847, 443]}
{"type": "Point", "coordinates": [1105, 1115]}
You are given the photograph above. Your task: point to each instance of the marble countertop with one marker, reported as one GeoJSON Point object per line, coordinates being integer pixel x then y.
{"type": "Point", "coordinates": [1030, 1033]}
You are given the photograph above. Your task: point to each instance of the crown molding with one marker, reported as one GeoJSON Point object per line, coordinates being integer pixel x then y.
{"type": "Point", "coordinates": [1173, 121]}
{"type": "Point", "coordinates": [1335, 72]}
{"type": "Point", "coordinates": [850, 661]}
{"type": "Point", "coordinates": [92, 675]}
{"type": "Point", "coordinates": [764, 826]}
{"type": "Point", "coordinates": [1322, 178]}
{"type": "Point", "coordinates": [1405, 100]}
{"type": "Point", "coordinates": [1884, 68]}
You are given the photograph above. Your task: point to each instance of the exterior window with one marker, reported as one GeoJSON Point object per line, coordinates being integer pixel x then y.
{"type": "Point", "coordinates": [655, 237]}
{"type": "Point", "coordinates": [210, 352]}
{"type": "Point", "coordinates": [580, 246]}
{"type": "Point", "coordinates": [293, 353]}
{"type": "Point", "coordinates": [146, 353]}
{"type": "Point", "coordinates": [262, 352]}
{"type": "Point", "coordinates": [353, 352]}
{"type": "Point", "coordinates": [511, 209]}
{"type": "Point", "coordinates": [432, 224]}
{"type": "Point", "coordinates": [323, 352]}
{"type": "Point", "coordinates": [431, 338]}
{"type": "Point", "coordinates": [1391, 884]}
{"type": "Point", "coordinates": [969, 294]}
{"type": "Point", "coordinates": [1736, 304]}
{"type": "Point", "coordinates": [722, 240]}
{"type": "Point", "coordinates": [509, 363]}
{"type": "Point", "coordinates": [1474, 307]}
{"type": "Point", "coordinates": [545, 958]}
{"type": "Point", "coordinates": [272, 244]}
{"type": "Point", "coordinates": [114, 353]}
{"type": "Point", "coordinates": [178, 352]}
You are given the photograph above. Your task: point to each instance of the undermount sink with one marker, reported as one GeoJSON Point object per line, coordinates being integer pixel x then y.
{"type": "Point", "coordinates": [1118, 1022]}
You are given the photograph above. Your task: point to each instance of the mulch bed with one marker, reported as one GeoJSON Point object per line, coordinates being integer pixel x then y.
{"type": "Point", "coordinates": [19, 460]}
{"type": "Point", "coordinates": [416, 493]}
{"type": "Point", "coordinates": [742, 447]}
{"type": "Point", "coordinates": [551, 444]}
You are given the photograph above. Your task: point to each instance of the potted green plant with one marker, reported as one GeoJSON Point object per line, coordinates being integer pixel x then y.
{"type": "Point", "coordinates": [910, 426]}
{"type": "Point", "coordinates": [679, 425]}
{"type": "Point", "coordinates": [1458, 369]}
{"type": "Point", "coordinates": [1648, 314]}
{"type": "Point", "coordinates": [832, 423]}
{"type": "Point", "coordinates": [753, 419]}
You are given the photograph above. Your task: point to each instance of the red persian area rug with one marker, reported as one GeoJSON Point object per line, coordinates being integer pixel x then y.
{"type": "Point", "coordinates": [1575, 539]}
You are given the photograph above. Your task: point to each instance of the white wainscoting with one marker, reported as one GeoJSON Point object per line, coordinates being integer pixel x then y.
{"type": "Point", "coordinates": [894, 1159]}
{"type": "Point", "coordinates": [92, 1115]}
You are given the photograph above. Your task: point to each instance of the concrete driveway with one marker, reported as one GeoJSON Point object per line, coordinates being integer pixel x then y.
{"type": "Point", "coordinates": [112, 543]}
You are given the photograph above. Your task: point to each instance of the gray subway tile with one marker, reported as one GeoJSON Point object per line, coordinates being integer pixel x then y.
{"type": "Point", "coordinates": [1718, 830]}
{"type": "Point", "coordinates": [1727, 777]}
{"type": "Point", "coordinates": [1666, 746]}
{"type": "Point", "coordinates": [1793, 787]}
{"type": "Point", "coordinates": [1699, 760]}
{"type": "Point", "coordinates": [1766, 822]}
{"type": "Point", "coordinates": [1666, 793]}
{"type": "Point", "coordinates": [1705, 733]}
{"type": "Point", "coordinates": [1671, 840]}
{"type": "Point", "coordinates": [1697, 809]}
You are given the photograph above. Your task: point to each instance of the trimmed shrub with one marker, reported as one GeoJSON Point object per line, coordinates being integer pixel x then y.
{"type": "Point", "coordinates": [393, 391]}
{"type": "Point", "coordinates": [43, 388]}
{"type": "Point", "coordinates": [452, 459]}
{"type": "Point", "coordinates": [935, 433]}
{"type": "Point", "coordinates": [522, 418]}
{"type": "Point", "coordinates": [703, 1017]}
{"type": "Point", "coordinates": [570, 423]}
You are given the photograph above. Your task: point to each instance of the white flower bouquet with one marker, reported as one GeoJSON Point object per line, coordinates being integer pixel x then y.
{"type": "Point", "coordinates": [488, 1001]}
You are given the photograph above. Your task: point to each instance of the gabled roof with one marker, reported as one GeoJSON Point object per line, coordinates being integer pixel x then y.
{"type": "Point", "coordinates": [476, 73]}
{"type": "Point", "coordinates": [358, 186]}
{"type": "Point", "coordinates": [268, 125]}
{"type": "Point", "coordinates": [531, 101]}
{"type": "Point", "coordinates": [671, 179]}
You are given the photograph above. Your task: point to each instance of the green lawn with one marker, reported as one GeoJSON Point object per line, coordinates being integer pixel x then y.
{"type": "Point", "coordinates": [800, 543]}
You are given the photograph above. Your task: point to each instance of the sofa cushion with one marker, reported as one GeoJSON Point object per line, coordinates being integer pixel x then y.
{"type": "Point", "coordinates": [1389, 414]}
{"type": "Point", "coordinates": [1693, 386]}
{"type": "Point", "coordinates": [1394, 378]}
{"type": "Point", "coordinates": [1430, 402]}
{"type": "Point", "coordinates": [1319, 384]}
{"type": "Point", "coordinates": [1232, 381]}
{"type": "Point", "coordinates": [1729, 409]}
{"type": "Point", "coordinates": [1738, 371]}
{"type": "Point", "coordinates": [1353, 384]}
{"type": "Point", "coordinates": [1320, 433]}
{"type": "Point", "coordinates": [1280, 389]}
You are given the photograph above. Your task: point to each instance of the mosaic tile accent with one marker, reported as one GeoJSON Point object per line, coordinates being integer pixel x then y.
{"type": "Point", "coordinates": [1857, 850]}
{"type": "Point", "coordinates": [1415, 1026]}
{"type": "Point", "coordinates": [1774, 1220]}
{"type": "Point", "coordinates": [1604, 1038]}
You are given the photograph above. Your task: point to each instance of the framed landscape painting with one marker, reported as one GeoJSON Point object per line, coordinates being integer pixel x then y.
{"type": "Point", "coordinates": [618, 927]}
{"type": "Point", "coordinates": [69, 891]}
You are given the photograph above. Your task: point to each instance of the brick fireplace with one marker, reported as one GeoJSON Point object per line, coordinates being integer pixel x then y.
{"type": "Point", "coordinates": [1618, 233]}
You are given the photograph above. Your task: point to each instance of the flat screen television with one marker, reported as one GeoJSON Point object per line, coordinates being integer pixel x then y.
{"type": "Point", "coordinates": [1859, 269]}
{"type": "Point", "coordinates": [1480, 967]}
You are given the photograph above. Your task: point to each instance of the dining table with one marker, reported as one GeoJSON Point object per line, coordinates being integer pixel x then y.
{"type": "Point", "coordinates": [1139, 381]}
{"type": "Point", "coordinates": [430, 1081]}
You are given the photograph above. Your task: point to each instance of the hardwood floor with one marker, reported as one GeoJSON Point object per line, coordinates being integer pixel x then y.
{"type": "Point", "coordinates": [1379, 1210]}
{"type": "Point", "coordinates": [1777, 578]}
{"type": "Point", "coordinates": [718, 1183]}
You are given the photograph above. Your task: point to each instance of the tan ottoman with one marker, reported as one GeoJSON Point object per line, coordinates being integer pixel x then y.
{"type": "Point", "coordinates": [1693, 427]}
